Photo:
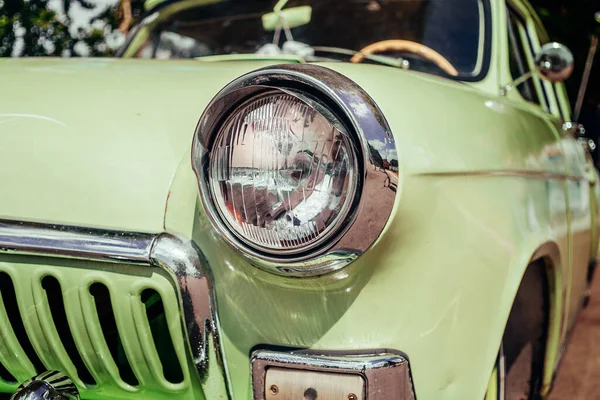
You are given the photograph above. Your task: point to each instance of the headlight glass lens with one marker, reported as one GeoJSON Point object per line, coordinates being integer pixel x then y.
{"type": "Point", "coordinates": [283, 175]}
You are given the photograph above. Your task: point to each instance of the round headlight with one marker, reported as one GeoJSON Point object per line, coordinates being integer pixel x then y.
{"type": "Point", "coordinates": [283, 173]}
{"type": "Point", "coordinates": [297, 168]}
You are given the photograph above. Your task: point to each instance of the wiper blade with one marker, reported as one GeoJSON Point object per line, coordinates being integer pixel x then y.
{"type": "Point", "coordinates": [385, 60]}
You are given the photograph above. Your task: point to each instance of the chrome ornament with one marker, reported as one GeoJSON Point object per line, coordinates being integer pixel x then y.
{"type": "Point", "coordinates": [292, 163]}
{"type": "Point", "coordinates": [49, 385]}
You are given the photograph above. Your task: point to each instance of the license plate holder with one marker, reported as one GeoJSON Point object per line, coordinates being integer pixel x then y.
{"type": "Point", "coordinates": [292, 384]}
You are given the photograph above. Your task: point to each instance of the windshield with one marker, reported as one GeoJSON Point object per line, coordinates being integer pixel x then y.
{"type": "Point", "coordinates": [453, 32]}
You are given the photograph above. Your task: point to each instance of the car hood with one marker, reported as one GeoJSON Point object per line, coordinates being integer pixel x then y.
{"type": "Point", "coordinates": [97, 141]}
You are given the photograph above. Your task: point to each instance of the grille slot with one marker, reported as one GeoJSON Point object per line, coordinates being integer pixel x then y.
{"type": "Point", "coordinates": [155, 312]}
{"type": "Point", "coordinates": [6, 376]}
{"type": "Point", "coordinates": [7, 290]}
{"type": "Point", "coordinates": [59, 317]}
{"type": "Point", "coordinates": [108, 324]}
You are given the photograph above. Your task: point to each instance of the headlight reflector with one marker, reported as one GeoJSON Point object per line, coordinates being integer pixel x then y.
{"type": "Point", "coordinates": [283, 173]}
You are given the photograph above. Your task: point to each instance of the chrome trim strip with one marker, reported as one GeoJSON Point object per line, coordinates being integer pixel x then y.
{"type": "Point", "coordinates": [370, 131]}
{"type": "Point", "coordinates": [386, 372]}
{"type": "Point", "coordinates": [74, 242]}
{"type": "Point", "coordinates": [179, 257]}
{"type": "Point", "coordinates": [507, 172]}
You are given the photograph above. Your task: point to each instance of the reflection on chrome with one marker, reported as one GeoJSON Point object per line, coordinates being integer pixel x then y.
{"type": "Point", "coordinates": [283, 176]}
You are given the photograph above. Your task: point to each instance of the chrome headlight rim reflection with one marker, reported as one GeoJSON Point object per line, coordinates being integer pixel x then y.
{"type": "Point", "coordinates": [345, 105]}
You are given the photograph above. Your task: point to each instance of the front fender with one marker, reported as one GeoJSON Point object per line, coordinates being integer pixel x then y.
{"type": "Point", "coordinates": [438, 285]}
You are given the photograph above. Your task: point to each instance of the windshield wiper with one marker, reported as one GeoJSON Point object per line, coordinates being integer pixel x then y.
{"type": "Point", "coordinates": [385, 60]}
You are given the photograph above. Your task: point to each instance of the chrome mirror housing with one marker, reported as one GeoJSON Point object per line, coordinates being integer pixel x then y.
{"type": "Point", "coordinates": [555, 62]}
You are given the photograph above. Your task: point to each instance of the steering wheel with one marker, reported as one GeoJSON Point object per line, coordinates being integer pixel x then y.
{"type": "Point", "coordinates": [410, 46]}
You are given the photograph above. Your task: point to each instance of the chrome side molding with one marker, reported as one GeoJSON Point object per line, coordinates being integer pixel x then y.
{"type": "Point", "coordinates": [180, 258]}
{"type": "Point", "coordinates": [386, 372]}
{"type": "Point", "coordinates": [32, 238]}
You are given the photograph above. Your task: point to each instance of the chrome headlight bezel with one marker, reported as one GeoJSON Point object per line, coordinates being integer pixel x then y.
{"type": "Point", "coordinates": [344, 104]}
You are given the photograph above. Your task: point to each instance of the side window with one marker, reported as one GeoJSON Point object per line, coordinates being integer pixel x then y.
{"type": "Point", "coordinates": [518, 49]}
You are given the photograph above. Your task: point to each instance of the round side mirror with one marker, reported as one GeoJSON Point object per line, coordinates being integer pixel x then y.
{"type": "Point", "coordinates": [555, 62]}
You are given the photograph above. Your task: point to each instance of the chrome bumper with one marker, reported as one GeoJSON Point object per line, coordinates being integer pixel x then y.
{"type": "Point", "coordinates": [386, 373]}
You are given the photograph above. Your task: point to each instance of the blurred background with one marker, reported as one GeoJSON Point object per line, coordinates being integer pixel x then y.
{"type": "Point", "coordinates": [573, 22]}
{"type": "Point", "coordinates": [65, 28]}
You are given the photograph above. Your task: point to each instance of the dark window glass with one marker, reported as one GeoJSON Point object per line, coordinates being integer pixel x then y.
{"type": "Point", "coordinates": [453, 28]}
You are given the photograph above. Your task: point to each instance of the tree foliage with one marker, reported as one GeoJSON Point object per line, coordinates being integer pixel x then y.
{"type": "Point", "coordinates": [376, 157]}
{"type": "Point", "coordinates": [32, 28]}
{"type": "Point", "coordinates": [37, 28]}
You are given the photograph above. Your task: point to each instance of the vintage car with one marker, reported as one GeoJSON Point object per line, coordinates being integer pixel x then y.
{"type": "Point", "coordinates": [359, 200]}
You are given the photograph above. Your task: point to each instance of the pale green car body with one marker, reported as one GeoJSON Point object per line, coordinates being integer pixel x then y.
{"type": "Point", "coordinates": [487, 185]}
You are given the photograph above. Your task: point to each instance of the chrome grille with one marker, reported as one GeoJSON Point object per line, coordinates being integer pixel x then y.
{"type": "Point", "coordinates": [115, 330]}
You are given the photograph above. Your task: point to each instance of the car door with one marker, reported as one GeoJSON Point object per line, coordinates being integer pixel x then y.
{"type": "Point", "coordinates": [526, 36]}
